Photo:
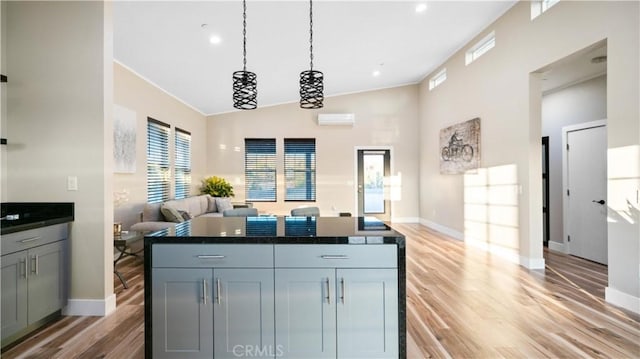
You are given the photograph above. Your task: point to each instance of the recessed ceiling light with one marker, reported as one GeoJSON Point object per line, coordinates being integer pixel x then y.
{"type": "Point", "coordinates": [421, 7]}
{"type": "Point", "coordinates": [376, 73]}
{"type": "Point", "coordinates": [215, 39]}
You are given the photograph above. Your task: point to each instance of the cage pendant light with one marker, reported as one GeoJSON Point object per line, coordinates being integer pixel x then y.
{"type": "Point", "coordinates": [245, 83]}
{"type": "Point", "coordinates": [311, 81]}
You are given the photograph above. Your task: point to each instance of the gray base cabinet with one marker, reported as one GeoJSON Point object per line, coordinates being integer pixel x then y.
{"type": "Point", "coordinates": [208, 304]}
{"type": "Point", "coordinates": [243, 313]}
{"type": "Point", "coordinates": [344, 306]}
{"type": "Point", "coordinates": [34, 278]}
{"type": "Point", "coordinates": [306, 313]}
{"type": "Point", "coordinates": [183, 317]}
{"type": "Point", "coordinates": [14, 294]}
{"type": "Point", "coordinates": [274, 301]}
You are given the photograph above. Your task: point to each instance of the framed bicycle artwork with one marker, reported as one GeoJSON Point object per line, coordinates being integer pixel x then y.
{"type": "Point", "coordinates": [460, 147]}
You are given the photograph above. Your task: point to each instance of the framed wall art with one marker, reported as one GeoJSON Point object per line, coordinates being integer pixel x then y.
{"type": "Point", "coordinates": [124, 140]}
{"type": "Point", "coordinates": [460, 147]}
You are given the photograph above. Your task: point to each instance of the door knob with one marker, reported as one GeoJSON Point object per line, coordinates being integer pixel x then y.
{"type": "Point", "coordinates": [599, 202]}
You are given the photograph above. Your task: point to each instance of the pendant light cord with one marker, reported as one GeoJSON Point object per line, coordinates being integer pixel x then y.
{"type": "Point", "coordinates": [311, 33]}
{"type": "Point", "coordinates": [244, 34]}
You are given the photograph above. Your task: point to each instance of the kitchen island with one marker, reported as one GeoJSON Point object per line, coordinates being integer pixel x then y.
{"type": "Point", "coordinates": [275, 287]}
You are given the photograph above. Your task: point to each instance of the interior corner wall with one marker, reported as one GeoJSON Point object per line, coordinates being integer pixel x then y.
{"type": "Point", "coordinates": [496, 88]}
{"type": "Point", "coordinates": [386, 118]}
{"type": "Point", "coordinates": [583, 102]}
{"type": "Point", "coordinates": [146, 100]}
{"type": "Point", "coordinates": [56, 120]}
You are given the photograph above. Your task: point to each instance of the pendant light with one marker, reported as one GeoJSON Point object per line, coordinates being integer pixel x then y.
{"type": "Point", "coordinates": [245, 84]}
{"type": "Point", "coordinates": [311, 81]}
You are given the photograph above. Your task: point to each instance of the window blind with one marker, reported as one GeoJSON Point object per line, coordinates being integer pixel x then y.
{"type": "Point", "coordinates": [158, 175]}
{"type": "Point", "coordinates": [260, 169]}
{"type": "Point", "coordinates": [300, 169]}
{"type": "Point", "coordinates": [182, 165]}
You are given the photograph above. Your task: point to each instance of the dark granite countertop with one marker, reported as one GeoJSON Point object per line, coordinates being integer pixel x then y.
{"type": "Point", "coordinates": [22, 216]}
{"type": "Point", "coordinates": [299, 230]}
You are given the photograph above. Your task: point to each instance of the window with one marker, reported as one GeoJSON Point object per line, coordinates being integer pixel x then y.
{"type": "Point", "coordinates": [182, 163]}
{"type": "Point", "coordinates": [158, 175]}
{"type": "Point", "coordinates": [540, 6]}
{"type": "Point", "coordinates": [260, 169]}
{"type": "Point", "coordinates": [300, 169]}
{"type": "Point", "coordinates": [437, 79]}
{"type": "Point", "coordinates": [479, 49]}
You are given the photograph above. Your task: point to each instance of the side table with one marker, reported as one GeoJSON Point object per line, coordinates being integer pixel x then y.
{"type": "Point", "coordinates": [120, 244]}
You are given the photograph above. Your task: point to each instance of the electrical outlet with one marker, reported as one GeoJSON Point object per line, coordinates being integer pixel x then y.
{"type": "Point", "coordinates": [72, 183]}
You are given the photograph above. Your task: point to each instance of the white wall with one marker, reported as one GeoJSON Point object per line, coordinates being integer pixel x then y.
{"type": "Point", "coordinates": [383, 118]}
{"type": "Point", "coordinates": [146, 100]}
{"type": "Point", "coordinates": [502, 89]}
{"type": "Point", "coordinates": [582, 102]}
{"type": "Point", "coordinates": [3, 101]}
{"type": "Point", "coordinates": [58, 60]}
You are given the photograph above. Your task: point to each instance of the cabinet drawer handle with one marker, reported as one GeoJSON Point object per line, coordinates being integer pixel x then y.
{"type": "Point", "coordinates": [204, 291]}
{"type": "Point", "coordinates": [218, 290]}
{"type": "Point", "coordinates": [328, 292]}
{"type": "Point", "coordinates": [342, 290]}
{"type": "Point", "coordinates": [334, 256]}
{"type": "Point", "coordinates": [27, 240]}
{"type": "Point", "coordinates": [211, 256]}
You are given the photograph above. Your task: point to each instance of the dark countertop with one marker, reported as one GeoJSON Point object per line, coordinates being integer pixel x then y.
{"type": "Point", "coordinates": [22, 216]}
{"type": "Point", "coordinates": [279, 230]}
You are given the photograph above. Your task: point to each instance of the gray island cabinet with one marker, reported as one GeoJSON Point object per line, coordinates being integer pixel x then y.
{"type": "Point", "coordinates": [242, 287]}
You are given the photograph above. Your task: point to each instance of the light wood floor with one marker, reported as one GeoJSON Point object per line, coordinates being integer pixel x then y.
{"type": "Point", "coordinates": [461, 303]}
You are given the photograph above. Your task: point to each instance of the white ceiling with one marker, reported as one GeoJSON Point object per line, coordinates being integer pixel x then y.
{"type": "Point", "coordinates": [166, 43]}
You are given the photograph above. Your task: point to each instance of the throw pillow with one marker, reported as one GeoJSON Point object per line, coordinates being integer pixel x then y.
{"type": "Point", "coordinates": [151, 212]}
{"type": "Point", "coordinates": [185, 215]}
{"type": "Point", "coordinates": [171, 214]}
{"type": "Point", "coordinates": [211, 207]}
{"type": "Point", "coordinates": [223, 204]}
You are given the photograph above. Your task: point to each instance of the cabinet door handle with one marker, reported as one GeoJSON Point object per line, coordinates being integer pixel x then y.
{"type": "Point", "coordinates": [25, 271]}
{"type": "Point", "coordinates": [204, 291]}
{"type": "Point", "coordinates": [334, 256]}
{"type": "Point", "coordinates": [218, 290]}
{"type": "Point", "coordinates": [34, 264]}
{"type": "Point", "coordinates": [342, 287]}
{"type": "Point", "coordinates": [328, 292]}
{"type": "Point", "coordinates": [211, 256]}
{"type": "Point", "coordinates": [27, 240]}
{"type": "Point", "coordinates": [37, 263]}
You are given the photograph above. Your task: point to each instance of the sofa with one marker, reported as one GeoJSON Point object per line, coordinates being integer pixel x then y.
{"type": "Point", "coordinates": [157, 216]}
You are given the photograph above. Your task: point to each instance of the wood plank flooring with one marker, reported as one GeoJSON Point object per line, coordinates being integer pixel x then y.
{"type": "Point", "coordinates": [461, 303]}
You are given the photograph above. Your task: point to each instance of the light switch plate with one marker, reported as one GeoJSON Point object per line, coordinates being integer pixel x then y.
{"type": "Point", "coordinates": [72, 183]}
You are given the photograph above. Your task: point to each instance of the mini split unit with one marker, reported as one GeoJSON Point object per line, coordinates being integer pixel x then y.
{"type": "Point", "coordinates": [336, 119]}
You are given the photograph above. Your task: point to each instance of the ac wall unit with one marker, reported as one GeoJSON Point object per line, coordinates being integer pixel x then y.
{"type": "Point", "coordinates": [336, 119]}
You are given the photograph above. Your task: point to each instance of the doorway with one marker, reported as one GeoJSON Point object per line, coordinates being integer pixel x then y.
{"type": "Point", "coordinates": [373, 171]}
{"type": "Point", "coordinates": [585, 173]}
{"type": "Point", "coordinates": [545, 191]}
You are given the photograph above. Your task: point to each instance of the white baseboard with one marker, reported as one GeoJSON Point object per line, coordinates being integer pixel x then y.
{"type": "Point", "coordinates": [443, 229]}
{"type": "Point", "coordinates": [91, 307]}
{"type": "Point", "coordinates": [532, 263]}
{"type": "Point", "coordinates": [557, 247]}
{"type": "Point", "coordinates": [507, 254]}
{"type": "Point", "coordinates": [405, 220]}
{"type": "Point", "coordinates": [622, 299]}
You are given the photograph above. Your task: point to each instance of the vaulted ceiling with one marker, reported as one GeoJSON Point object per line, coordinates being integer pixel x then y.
{"type": "Point", "coordinates": [168, 43]}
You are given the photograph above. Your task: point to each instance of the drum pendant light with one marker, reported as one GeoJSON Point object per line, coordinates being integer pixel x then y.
{"type": "Point", "coordinates": [245, 83]}
{"type": "Point", "coordinates": [311, 81]}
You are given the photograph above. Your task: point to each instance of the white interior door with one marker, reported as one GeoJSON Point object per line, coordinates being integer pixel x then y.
{"type": "Point", "coordinates": [586, 180]}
